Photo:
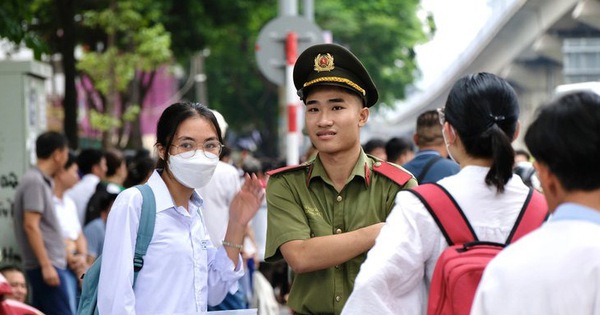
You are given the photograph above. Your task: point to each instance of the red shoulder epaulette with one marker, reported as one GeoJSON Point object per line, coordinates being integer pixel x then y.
{"type": "Point", "coordinates": [287, 168]}
{"type": "Point", "coordinates": [396, 174]}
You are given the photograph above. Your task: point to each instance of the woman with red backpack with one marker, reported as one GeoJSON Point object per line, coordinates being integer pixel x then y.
{"type": "Point", "coordinates": [480, 120]}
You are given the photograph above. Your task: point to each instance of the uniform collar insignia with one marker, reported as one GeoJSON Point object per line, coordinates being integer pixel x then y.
{"type": "Point", "coordinates": [324, 62]}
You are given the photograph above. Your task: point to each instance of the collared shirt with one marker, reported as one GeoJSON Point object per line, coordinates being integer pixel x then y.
{"type": "Point", "coordinates": [217, 195]}
{"type": "Point", "coordinates": [438, 170]}
{"type": "Point", "coordinates": [66, 211]}
{"type": "Point", "coordinates": [396, 275]}
{"type": "Point", "coordinates": [182, 269]}
{"type": "Point", "coordinates": [553, 270]}
{"type": "Point", "coordinates": [81, 194]}
{"type": "Point", "coordinates": [303, 203]}
{"type": "Point", "coordinates": [34, 194]}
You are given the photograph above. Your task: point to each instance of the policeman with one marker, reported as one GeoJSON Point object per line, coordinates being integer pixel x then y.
{"type": "Point", "coordinates": [324, 215]}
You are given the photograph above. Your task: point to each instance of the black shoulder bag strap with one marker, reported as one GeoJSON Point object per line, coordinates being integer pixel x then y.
{"type": "Point", "coordinates": [427, 166]}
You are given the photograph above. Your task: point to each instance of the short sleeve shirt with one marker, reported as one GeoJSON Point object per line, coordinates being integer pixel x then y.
{"type": "Point", "coordinates": [94, 235]}
{"type": "Point", "coordinates": [303, 203]}
{"type": "Point", "coordinates": [34, 194]}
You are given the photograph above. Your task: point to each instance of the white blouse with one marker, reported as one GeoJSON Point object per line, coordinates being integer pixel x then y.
{"type": "Point", "coordinates": [66, 212]}
{"type": "Point", "coordinates": [552, 270]}
{"type": "Point", "coordinates": [395, 277]}
{"type": "Point", "coordinates": [182, 270]}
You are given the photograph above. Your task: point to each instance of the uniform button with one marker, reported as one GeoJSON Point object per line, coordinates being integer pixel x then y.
{"type": "Point", "coordinates": [312, 234]}
{"type": "Point", "coordinates": [337, 298]}
{"type": "Point", "coordinates": [338, 231]}
{"type": "Point", "coordinates": [377, 164]}
{"type": "Point", "coordinates": [339, 198]}
{"type": "Point", "coordinates": [337, 266]}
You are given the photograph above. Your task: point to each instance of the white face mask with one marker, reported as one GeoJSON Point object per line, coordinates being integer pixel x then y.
{"type": "Point", "coordinates": [194, 172]}
{"type": "Point", "coordinates": [446, 142]}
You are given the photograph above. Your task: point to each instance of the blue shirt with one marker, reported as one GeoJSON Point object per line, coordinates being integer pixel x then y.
{"type": "Point", "coordinates": [440, 169]}
{"type": "Point", "coordinates": [94, 234]}
{"type": "Point", "coordinates": [574, 211]}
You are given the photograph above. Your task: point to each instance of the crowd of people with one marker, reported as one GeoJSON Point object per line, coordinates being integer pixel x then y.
{"type": "Point", "coordinates": [344, 232]}
{"type": "Point", "coordinates": [60, 216]}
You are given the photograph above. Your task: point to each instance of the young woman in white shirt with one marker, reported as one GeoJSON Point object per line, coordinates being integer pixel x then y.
{"type": "Point", "coordinates": [75, 242]}
{"type": "Point", "coordinates": [480, 120]}
{"type": "Point", "coordinates": [183, 270]}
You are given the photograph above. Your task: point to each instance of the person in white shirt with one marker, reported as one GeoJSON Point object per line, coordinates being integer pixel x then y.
{"type": "Point", "coordinates": [218, 194]}
{"type": "Point", "coordinates": [480, 120]}
{"type": "Point", "coordinates": [183, 270]}
{"type": "Point", "coordinates": [554, 270]}
{"type": "Point", "coordinates": [92, 166]}
{"type": "Point", "coordinates": [75, 242]}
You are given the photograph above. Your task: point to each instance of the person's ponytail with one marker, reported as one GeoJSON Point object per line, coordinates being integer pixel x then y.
{"type": "Point", "coordinates": [502, 158]}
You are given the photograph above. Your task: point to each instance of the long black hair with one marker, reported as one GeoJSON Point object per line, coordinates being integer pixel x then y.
{"type": "Point", "coordinates": [172, 117]}
{"type": "Point", "coordinates": [484, 110]}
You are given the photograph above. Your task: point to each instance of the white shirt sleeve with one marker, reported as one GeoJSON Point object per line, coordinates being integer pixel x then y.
{"type": "Point", "coordinates": [391, 281]}
{"type": "Point", "coordinates": [222, 277]}
{"type": "Point", "coordinates": [115, 287]}
{"type": "Point", "coordinates": [183, 271]}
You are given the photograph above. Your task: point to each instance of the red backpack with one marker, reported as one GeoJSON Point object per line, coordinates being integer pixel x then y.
{"type": "Point", "coordinates": [460, 266]}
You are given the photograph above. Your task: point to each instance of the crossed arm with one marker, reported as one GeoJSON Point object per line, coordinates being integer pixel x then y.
{"type": "Point", "coordinates": [328, 251]}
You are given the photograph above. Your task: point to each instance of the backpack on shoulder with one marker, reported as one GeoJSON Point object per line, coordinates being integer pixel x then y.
{"type": "Point", "coordinates": [460, 266]}
{"type": "Point", "coordinates": [88, 302]}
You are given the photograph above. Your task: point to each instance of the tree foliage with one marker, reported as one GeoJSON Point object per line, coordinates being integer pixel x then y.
{"type": "Point", "coordinates": [382, 33]}
{"type": "Point", "coordinates": [134, 46]}
{"type": "Point", "coordinates": [16, 21]}
{"type": "Point", "coordinates": [228, 29]}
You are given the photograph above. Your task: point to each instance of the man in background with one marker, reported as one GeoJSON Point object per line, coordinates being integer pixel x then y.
{"type": "Point", "coordinates": [217, 195]}
{"type": "Point", "coordinates": [430, 164]}
{"type": "Point", "coordinates": [38, 230]}
{"type": "Point", "coordinates": [399, 150]}
{"type": "Point", "coordinates": [92, 166]}
{"type": "Point", "coordinates": [376, 148]}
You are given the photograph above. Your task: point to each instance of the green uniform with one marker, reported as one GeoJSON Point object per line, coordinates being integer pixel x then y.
{"type": "Point", "coordinates": [303, 203]}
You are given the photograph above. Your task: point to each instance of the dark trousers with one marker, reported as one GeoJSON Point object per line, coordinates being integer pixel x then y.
{"type": "Point", "coordinates": [50, 300]}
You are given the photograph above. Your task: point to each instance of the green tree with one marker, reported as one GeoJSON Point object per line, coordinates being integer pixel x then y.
{"type": "Point", "coordinates": [228, 29]}
{"type": "Point", "coordinates": [47, 27]}
{"type": "Point", "coordinates": [383, 34]}
{"type": "Point", "coordinates": [124, 69]}
{"type": "Point", "coordinates": [15, 16]}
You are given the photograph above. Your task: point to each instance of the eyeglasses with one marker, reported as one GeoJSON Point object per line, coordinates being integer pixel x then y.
{"type": "Point", "coordinates": [441, 115]}
{"type": "Point", "coordinates": [187, 148]}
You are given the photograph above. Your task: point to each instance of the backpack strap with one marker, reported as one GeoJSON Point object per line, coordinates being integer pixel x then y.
{"type": "Point", "coordinates": [447, 214]}
{"type": "Point", "coordinates": [145, 228]}
{"type": "Point", "coordinates": [428, 166]}
{"type": "Point", "coordinates": [532, 215]}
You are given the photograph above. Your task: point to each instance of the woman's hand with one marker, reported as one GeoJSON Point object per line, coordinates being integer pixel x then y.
{"type": "Point", "coordinates": [247, 201]}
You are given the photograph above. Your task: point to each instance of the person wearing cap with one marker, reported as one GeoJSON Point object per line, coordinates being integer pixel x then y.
{"type": "Point", "coordinates": [431, 162]}
{"type": "Point", "coordinates": [324, 215]}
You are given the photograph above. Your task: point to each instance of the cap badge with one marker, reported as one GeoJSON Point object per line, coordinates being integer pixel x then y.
{"type": "Point", "coordinates": [324, 62]}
